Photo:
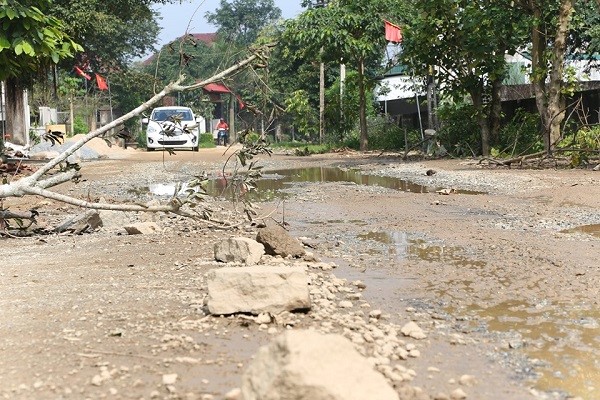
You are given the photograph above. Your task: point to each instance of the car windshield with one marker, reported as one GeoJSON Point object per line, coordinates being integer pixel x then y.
{"type": "Point", "coordinates": [164, 115]}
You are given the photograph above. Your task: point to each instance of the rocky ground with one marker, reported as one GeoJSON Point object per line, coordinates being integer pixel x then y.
{"type": "Point", "coordinates": [500, 273]}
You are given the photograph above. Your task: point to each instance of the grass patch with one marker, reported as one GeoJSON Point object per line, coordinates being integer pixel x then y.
{"type": "Point", "coordinates": [303, 149]}
{"type": "Point", "coordinates": [206, 141]}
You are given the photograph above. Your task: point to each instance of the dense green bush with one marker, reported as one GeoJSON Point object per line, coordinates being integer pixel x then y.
{"type": "Point", "coordinates": [384, 134]}
{"type": "Point", "coordinates": [141, 139]}
{"type": "Point", "coordinates": [206, 141]}
{"type": "Point", "coordinates": [459, 132]}
{"type": "Point", "coordinates": [520, 135]}
{"type": "Point", "coordinates": [251, 137]}
{"type": "Point", "coordinates": [303, 148]}
{"type": "Point", "coordinates": [80, 126]}
{"type": "Point", "coordinates": [352, 141]}
{"type": "Point", "coordinates": [581, 144]}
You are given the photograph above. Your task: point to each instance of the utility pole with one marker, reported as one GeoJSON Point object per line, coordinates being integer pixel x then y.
{"type": "Point", "coordinates": [321, 4]}
{"type": "Point", "coordinates": [342, 88]}
{"type": "Point", "coordinates": [321, 102]}
{"type": "Point", "coordinates": [431, 100]}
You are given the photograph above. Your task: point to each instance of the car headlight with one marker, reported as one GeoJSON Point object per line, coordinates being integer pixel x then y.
{"type": "Point", "coordinates": [152, 128]}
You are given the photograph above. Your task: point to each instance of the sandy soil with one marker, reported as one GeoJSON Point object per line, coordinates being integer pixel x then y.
{"type": "Point", "coordinates": [502, 274]}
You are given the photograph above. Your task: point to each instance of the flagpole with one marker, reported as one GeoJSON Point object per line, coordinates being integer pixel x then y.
{"type": "Point", "coordinates": [418, 106]}
{"type": "Point", "coordinates": [111, 107]}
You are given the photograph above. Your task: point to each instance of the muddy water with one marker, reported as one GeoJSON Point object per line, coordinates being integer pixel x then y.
{"type": "Point", "coordinates": [562, 341]}
{"type": "Point", "coordinates": [593, 230]}
{"type": "Point", "coordinates": [272, 185]}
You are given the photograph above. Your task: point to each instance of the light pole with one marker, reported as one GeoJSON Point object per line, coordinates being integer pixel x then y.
{"type": "Point", "coordinates": [321, 4]}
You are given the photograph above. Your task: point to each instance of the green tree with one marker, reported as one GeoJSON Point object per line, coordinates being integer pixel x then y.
{"type": "Point", "coordinates": [292, 69]}
{"type": "Point", "coordinates": [559, 30]}
{"type": "Point", "coordinates": [349, 32]}
{"type": "Point", "coordinates": [187, 55]}
{"type": "Point", "coordinates": [240, 25]}
{"type": "Point", "coordinates": [112, 32]}
{"type": "Point", "coordinates": [305, 117]}
{"type": "Point", "coordinates": [240, 21]}
{"type": "Point", "coordinates": [130, 88]}
{"type": "Point", "coordinates": [71, 87]}
{"type": "Point", "coordinates": [30, 41]}
{"type": "Point", "coordinates": [464, 42]}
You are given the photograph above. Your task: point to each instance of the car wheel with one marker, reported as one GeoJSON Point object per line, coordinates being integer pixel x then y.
{"type": "Point", "coordinates": [150, 148]}
{"type": "Point", "coordinates": [195, 148]}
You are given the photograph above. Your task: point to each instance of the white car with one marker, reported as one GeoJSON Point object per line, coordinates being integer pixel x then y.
{"type": "Point", "coordinates": [172, 127]}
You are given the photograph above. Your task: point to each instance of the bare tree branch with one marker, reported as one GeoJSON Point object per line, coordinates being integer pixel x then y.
{"type": "Point", "coordinates": [59, 178]}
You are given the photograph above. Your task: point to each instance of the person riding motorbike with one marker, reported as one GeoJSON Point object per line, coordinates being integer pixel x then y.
{"type": "Point", "coordinates": [223, 130]}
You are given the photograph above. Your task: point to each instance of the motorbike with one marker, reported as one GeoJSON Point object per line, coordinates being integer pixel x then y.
{"type": "Point", "coordinates": [222, 137]}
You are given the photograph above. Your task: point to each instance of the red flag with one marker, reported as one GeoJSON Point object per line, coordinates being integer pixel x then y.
{"type": "Point", "coordinates": [80, 72]}
{"type": "Point", "coordinates": [393, 33]}
{"type": "Point", "coordinates": [102, 85]}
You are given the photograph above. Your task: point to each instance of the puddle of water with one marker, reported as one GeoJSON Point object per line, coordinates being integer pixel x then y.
{"type": "Point", "coordinates": [330, 174]}
{"type": "Point", "coordinates": [163, 189]}
{"type": "Point", "coordinates": [563, 341]}
{"type": "Point", "coordinates": [272, 185]}
{"type": "Point", "coordinates": [403, 247]}
{"type": "Point", "coordinates": [593, 230]}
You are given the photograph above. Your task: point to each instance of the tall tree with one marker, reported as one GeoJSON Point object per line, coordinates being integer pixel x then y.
{"type": "Point", "coordinates": [240, 21]}
{"type": "Point", "coordinates": [112, 32]}
{"type": "Point", "coordinates": [465, 41]}
{"type": "Point", "coordinates": [30, 41]}
{"type": "Point", "coordinates": [349, 32]}
{"type": "Point", "coordinates": [550, 26]}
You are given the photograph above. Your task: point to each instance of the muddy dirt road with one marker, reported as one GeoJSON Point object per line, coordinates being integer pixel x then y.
{"type": "Point", "coordinates": [501, 272]}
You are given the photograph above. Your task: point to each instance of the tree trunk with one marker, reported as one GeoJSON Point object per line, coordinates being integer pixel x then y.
{"type": "Point", "coordinates": [549, 99]}
{"type": "Point", "coordinates": [538, 47]}
{"type": "Point", "coordinates": [556, 100]}
{"type": "Point", "coordinates": [233, 137]}
{"type": "Point", "coordinates": [16, 128]}
{"type": "Point", "coordinates": [321, 101]}
{"type": "Point", "coordinates": [364, 137]}
{"type": "Point", "coordinates": [482, 121]}
{"type": "Point", "coordinates": [495, 111]}
{"type": "Point", "coordinates": [430, 94]}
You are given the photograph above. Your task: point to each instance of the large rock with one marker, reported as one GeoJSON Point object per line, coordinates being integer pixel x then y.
{"type": "Point", "coordinates": [303, 365]}
{"type": "Point", "coordinates": [239, 249]}
{"type": "Point", "coordinates": [257, 289]}
{"type": "Point", "coordinates": [85, 222]}
{"type": "Point", "coordinates": [278, 242]}
{"type": "Point", "coordinates": [142, 228]}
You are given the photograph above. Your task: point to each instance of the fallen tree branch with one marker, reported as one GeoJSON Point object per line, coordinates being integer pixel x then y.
{"type": "Point", "coordinates": [510, 161]}
{"type": "Point", "coordinates": [542, 155]}
{"type": "Point", "coordinates": [7, 214]}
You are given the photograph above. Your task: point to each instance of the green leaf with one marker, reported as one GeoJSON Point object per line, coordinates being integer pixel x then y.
{"type": "Point", "coordinates": [11, 13]}
{"type": "Point", "coordinates": [28, 49]}
{"type": "Point", "coordinates": [4, 43]}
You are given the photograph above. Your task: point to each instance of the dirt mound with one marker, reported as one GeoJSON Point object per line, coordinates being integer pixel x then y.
{"type": "Point", "coordinates": [94, 149]}
{"type": "Point", "coordinates": [102, 147]}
